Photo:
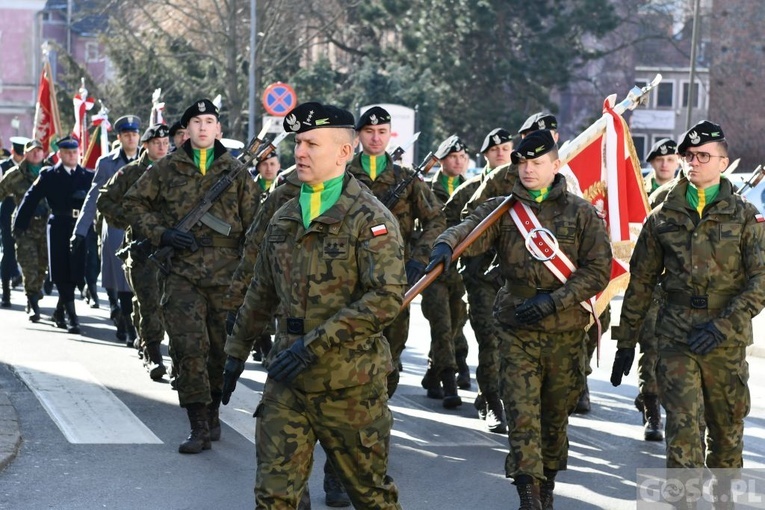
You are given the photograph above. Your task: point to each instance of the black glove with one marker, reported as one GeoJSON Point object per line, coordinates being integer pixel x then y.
{"type": "Point", "coordinates": [414, 271]}
{"type": "Point", "coordinates": [75, 242]}
{"type": "Point", "coordinates": [441, 252]}
{"type": "Point", "coordinates": [704, 337]}
{"type": "Point", "coordinates": [535, 309]}
{"type": "Point", "coordinates": [290, 362]}
{"type": "Point", "coordinates": [230, 321]}
{"type": "Point", "coordinates": [177, 239]}
{"type": "Point", "coordinates": [231, 372]}
{"type": "Point", "coordinates": [622, 364]}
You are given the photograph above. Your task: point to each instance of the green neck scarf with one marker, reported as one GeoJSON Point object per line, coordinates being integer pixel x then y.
{"type": "Point", "coordinates": [449, 183]}
{"type": "Point", "coordinates": [316, 199]}
{"type": "Point", "coordinates": [654, 186]}
{"type": "Point", "coordinates": [203, 158]}
{"type": "Point", "coordinates": [487, 169]}
{"type": "Point", "coordinates": [700, 198]}
{"type": "Point", "coordinates": [265, 184]}
{"type": "Point", "coordinates": [539, 194]}
{"type": "Point", "coordinates": [35, 169]}
{"type": "Point", "coordinates": [374, 165]}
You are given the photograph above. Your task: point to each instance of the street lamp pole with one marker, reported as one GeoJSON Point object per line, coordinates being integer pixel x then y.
{"type": "Point", "coordinates": [694, 44]}
{"type": "Point", "coordinates": [251, 128]}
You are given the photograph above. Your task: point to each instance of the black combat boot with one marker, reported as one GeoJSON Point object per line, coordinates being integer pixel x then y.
{"type": "Point", "coordinates": [34, 307]}
{"type": "Point", "coordinates": [652, 418]}
{"type": "Point", "coordinates": [213, 416]}
{"type": "Point", "coordinates": [6, 300]}
{"type": "Point", "coordinates": [58, 317]}
{"type": "Point", "coordinates": [480, 405]}
{"type": "Point", "coordinates": [463, 371]}
{"type": "Point", "coordinates": [431, 383]}
{"type": "Point", "coordinates": [199, 439]}
{"type": "Point", "coordinates": [335, 495]}
{"type": "Point", "coordinates": [74, 321]}
{"type": "Point", "coordinates": [495, 413]}
{"type": "Point", "coordinates": [546, 488]}
{"type": "Point", "coordinates": [451, 397]}
{"type": "Point", "coordinates": [153, 362]}
{"type": "Point", "coordinates": [583, 404]}
{"type": "Point", "coordinates": [528, 493]}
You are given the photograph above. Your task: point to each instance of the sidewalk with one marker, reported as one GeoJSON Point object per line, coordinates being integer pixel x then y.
{"type": "Point", "coordinates": [10, 437]}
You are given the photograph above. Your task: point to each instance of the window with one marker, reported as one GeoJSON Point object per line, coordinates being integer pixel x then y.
{"type": "Point", "coordinates": [641, 84]}
{"type": "Point", "coordinates": [665, 95]}
{"type": "Point", "coordinates": [91, 52]}
{"type": "Point", "coordinates": [695, 101]}
{"type": "Point", "coordinates": [639, 141]}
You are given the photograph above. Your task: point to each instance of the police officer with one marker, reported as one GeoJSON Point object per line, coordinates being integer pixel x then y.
{"type": "Point", "coordinates": [374, 167]}
{"type": "Point", "coordinates": [540, 308]}
{"type": "Point", "coordinates": [112, 275]}
{"type": "Point", "coordinates": [194, 302]}
{"type": "Point", "coordinates": [332, 269]}
{"type": "Point", "coordinates": [481, 277]}
{"type": "Point", "coordinates": [140, 273]}
{"type": "Point", "coordinates": [32, 247]}
{"type": "Point", "coordinates": [442, 303]}
{"type": "Point", "coordinates": [705, 245]}
{"type": "Point", "coordinates": [9, 269]}
{"type": "Point", "coordinates": [64, 186]}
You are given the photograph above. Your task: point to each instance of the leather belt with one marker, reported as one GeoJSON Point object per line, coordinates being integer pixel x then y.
{"type": "Point", "coordinates": [297, 325]}
{"type": "Point", "coordinates": [72, 213]}
{"type": "Point", "coordinates": [697, 301]}
{"type": "Point", "coordinates": [526, 292]}
{"type": "Point", "coordinates": [218, 242]}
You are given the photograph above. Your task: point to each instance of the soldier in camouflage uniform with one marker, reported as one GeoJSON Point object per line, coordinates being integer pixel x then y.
{"type": "Point", "coordinates": [332, 270]}
{"type": "Point", "coordinates": [482, 286]}
{"type": "Point", "coordinates": [375, 169]}
{"type": "Point", "coordinates": [706, 245]}
{"type": "Point", "coordinates": [194, 302]}
{"type": "Point", "coordinates": [32, 247]}
{"type": "Point", "coordinates": [442, 303]}
{"type": "Point", "coordinates": [541, 338]}
{"type": "Point", "coordinates": [140, 273]}
{"type": "Point", "coordinates": [9, 269]}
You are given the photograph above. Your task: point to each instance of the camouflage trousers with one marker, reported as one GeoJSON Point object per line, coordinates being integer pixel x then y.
{"type": "Point", "coordinates": [542, 375]}
{"type": "Point", "coordinates": [32, 255]}
{"type": "Point", "coordinates": [195, 318]}
{"type": "Point", "coordinates": [649, 353]}
{"type": "Point", "coordinates": [147, 314]}
{"type": "Point", "coordinates": [396, 334]}
{"type": "Point", "coordinates": [443, 306]}
{"type": "Point", "coordinates": [719, 381]}
{"type": "Point", "coordinates": [352, 425]}
{"type": "Point", "coordinates": [480, 296]}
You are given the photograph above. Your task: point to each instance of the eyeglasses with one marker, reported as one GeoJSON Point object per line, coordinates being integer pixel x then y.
{"type": "Point", "coordinates": [701, 157]}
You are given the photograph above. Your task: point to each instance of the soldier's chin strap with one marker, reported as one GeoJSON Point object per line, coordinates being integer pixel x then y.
{"type": "Point", "coordinates": [543, 246]}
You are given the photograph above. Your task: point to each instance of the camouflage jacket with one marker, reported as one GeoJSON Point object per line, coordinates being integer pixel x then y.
{"type": "Point", "coordinates": [499, 183]}
{"type": "Point", "coordinates": [110, 198]}
{"type": "Point", "coordinates": [171, 188]}
{"type": "Point", "coordinates": [582, 237]}
{"type": "Point", "coordinates": [720, 256]}
{"type": "Point", "coordinates": [287, 187]}
{"type": "Point", "coordinates": [15, 183]}
{"type": "Point", "coordinates": [416, 203]}
{"type": "Point", "coordinates": [343, 277]}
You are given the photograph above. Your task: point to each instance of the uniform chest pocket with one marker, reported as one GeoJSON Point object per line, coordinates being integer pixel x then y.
{"type": "Point", "coordinates": [335, 247]}
{"type": "Point", "coordinates": [730, 231]}
{"type": "Point", "coordinates": [176, 183]}
{"type": "Point", "coordinates": [565, 233]}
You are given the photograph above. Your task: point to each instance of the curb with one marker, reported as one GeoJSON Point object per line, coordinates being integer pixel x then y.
{"type": "Point", "coordinates": [10, 436]}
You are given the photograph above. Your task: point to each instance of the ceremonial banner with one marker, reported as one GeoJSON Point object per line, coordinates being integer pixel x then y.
{"type": "Point", "coordinates": [47, 120]}
{"type": "Point", "coordinates": [82, 104]}
{"type": "Point", "coordinates": [157, 115]}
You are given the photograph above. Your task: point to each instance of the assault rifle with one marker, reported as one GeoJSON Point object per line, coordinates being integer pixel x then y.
{"type": "Point", "coordinates": [200, 212]}
{"type": "Point", "coordinates": [423, 168]}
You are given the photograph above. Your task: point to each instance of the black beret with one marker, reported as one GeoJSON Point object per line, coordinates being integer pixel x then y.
{"type": "Point", "coordinates": [307, 116]}
{"type": "Point", "coordinates": [155, 131]}
{"type": "Point", "coordinates": [662, 148]}
{"type": "Point", "coordinates": [271, 154]}
{"type": "Point", "coordinates": [127, 123]}
{"type": "Point", "coordinates": [175, 127]}
{"type": "Point", "coordinates": [535, 144]}
{"type": "Point", "coordinates": [68, 143]}
{"type": "Point", "coordinates": [373, 117]}
{"type": "Point", "coordinates": [496, 136]}
{"type": "Point", "coordinates": [537, 121]}
{"type": "Point", "coordinates": [451, 144]}
{"type": "Point", "coordinates": [200, 107]}
{"type": "Point", "coordinates": [32, 144]}
{"type": "Point", "coordinates": [700, 134]}
{"type": "Point", "coordinates": [19, 143]}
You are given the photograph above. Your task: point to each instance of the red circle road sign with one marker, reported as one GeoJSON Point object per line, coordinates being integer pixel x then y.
{"type": "Point", "coordinates": [279, 98]}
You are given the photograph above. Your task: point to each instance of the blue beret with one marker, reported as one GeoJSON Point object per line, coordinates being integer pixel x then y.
{"type": "Point", "coordinates": [127, 123]}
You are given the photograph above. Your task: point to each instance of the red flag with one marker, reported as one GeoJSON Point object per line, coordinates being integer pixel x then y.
{"type": "Point", "coordinates": [94, 150]}
{"type": "Point", "coordinates": [609, 175]}
{"type": "Point", "coordinates": [47, 120]}
{"type": "Point", "coordinates": [82, 104]}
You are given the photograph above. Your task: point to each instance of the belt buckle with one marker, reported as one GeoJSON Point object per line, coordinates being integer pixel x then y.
{"type": "Point", "coordinates": [204, 241]}
{"type": "Point", "coordinates": [536, 247]}
{"type": "Point", "coordinates": [294, 326]}
{"type": "Point", "coordinates": [700, 302]}
{"type": "Point", "coordinates": [75, 213]}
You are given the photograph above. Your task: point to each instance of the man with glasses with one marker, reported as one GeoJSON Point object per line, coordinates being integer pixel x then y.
{"type": "Point", "coordinates": [704, 244]}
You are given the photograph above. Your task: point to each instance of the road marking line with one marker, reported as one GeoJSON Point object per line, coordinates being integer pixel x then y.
{"type": "Point", "coordinates": [84, 410]}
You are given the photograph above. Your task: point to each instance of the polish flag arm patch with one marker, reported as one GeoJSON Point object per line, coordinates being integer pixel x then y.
{"type": "Point", "coordinates": [759, 217]}
{"type": "Point", "coordinates": [379, 230]}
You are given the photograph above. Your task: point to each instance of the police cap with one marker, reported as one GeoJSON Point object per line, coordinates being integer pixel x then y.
{"type": "Point", "coordinates": [128, 123]}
